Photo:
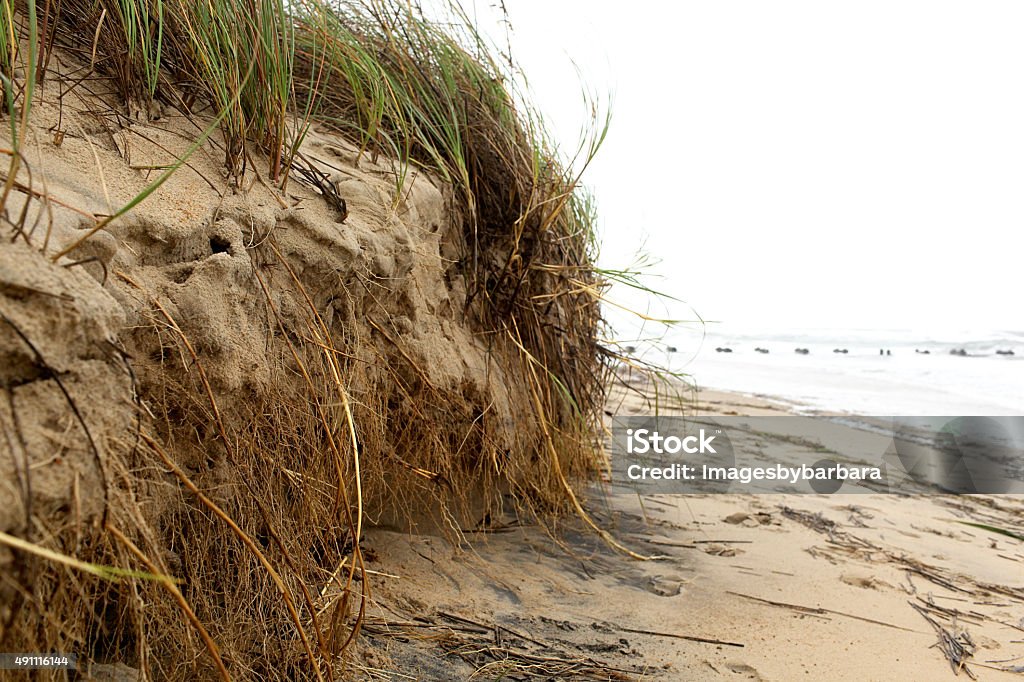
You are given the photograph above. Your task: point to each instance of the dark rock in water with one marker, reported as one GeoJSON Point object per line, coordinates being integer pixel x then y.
{"type": "Point", "coordinates": [1004, 352]}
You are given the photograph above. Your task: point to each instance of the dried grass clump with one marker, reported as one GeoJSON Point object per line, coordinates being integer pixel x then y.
{"type": "Point", "coordinates": [226, 538]}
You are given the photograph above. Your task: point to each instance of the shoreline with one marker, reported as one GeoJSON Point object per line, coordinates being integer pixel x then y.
{"type": "Point", "coordinates": [902, 384]}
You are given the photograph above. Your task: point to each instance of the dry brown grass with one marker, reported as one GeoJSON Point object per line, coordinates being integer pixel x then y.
{"type": "Point", "coordinates": [257, 504]}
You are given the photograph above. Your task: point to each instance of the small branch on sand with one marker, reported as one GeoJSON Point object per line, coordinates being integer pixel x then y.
{"type": "Point", "coordinates": [688, 638]}
{"type": "Point", "coordinates": [957, 648]}
{"type": "Point", "coordinates": [818, 611]}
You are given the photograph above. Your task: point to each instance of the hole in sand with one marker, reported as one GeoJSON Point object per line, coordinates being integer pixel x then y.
{"type": "Point", "coordinates": [219, 245]}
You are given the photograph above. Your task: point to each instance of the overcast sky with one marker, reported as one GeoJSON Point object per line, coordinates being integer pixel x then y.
{"type": "Point", "coordinates": [801, 163]}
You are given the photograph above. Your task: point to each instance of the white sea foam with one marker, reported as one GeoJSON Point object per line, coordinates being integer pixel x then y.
{"type": "Point", "coordinates": [860, 381]}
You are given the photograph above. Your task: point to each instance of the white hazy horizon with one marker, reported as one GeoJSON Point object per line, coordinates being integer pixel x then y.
{"type": "Point", "coordinates": [798, 163]}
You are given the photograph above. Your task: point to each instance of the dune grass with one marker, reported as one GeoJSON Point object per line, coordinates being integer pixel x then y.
{"type": "Point", "coordinates": [994, 529]}
{"type": "Point", "coordinates": [414, 89]}
{"type": "Point", "coordinates": [254, 76]}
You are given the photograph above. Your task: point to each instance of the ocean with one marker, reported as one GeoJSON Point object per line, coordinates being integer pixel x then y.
{"type": "Point", "coordinates": [860, 381]}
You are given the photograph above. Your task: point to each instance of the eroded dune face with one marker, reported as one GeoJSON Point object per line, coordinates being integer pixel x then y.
{"type": "Point", "coordinates": [206, 293]}
{"type": "Point", "coordinates": [309, 374]}
{"type": "Point", "coordinates": [67, 385]}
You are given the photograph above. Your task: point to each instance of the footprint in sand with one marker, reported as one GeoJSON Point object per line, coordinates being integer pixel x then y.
{"type": "Point", "coordinates": [715, 549]}
{"type": "Point", "coordinates": [665, 585]}
{"type": "Point", "coordinates": [868, 582]}
{"type": "Point", "coordinates": [749, 520]}
{"type": "Point", "coordinates": [749, 672]}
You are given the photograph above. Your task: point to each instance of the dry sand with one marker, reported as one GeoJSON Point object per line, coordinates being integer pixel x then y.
{"type": "Point", "coordinates": [792, 587]}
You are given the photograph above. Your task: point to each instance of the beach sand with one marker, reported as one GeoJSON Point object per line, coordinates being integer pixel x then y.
{"type": "Point", "coordinates": [770, 587]}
